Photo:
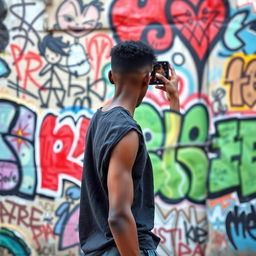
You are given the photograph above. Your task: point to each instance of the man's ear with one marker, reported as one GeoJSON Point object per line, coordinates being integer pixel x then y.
{"type": "Point", "coordinates": [146, 80]}
{"type": "Point", "coordinates": [110, 77]}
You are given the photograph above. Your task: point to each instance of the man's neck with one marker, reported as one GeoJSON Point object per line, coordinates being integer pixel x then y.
{"type": "Point", "coordinates": [128, 104]}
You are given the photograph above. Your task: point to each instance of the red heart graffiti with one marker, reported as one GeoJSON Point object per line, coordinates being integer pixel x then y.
{"type": "Point", "coordinates": [142, 20]}
{"type": "Point", "coordinates": [198, 22]}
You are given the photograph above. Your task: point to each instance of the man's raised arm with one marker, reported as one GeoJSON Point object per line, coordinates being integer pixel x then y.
{"type": "Point", "coordinates": [171, 88]}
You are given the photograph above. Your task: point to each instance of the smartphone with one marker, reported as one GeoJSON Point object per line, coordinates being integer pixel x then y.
{"type": "Point", "coordinates": [161, 67]}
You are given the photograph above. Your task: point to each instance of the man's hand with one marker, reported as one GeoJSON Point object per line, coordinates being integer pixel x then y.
{"type": "Point", "coordinates": [171, 88]}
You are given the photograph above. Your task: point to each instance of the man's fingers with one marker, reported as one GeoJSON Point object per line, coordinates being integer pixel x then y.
{"type": "Point", "coordinates": [162, 78]}
{"type": "Point", "coordinates": [160, 87]}
{"type": "Point", "coordinates": [165, 81]}
{"type": "Point", "coordinates": [173, 73]}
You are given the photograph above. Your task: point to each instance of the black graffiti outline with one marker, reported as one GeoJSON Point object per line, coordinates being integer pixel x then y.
{"type": "Point", "coordinates": [23, 22]}
{"type": "Point", "coordinates": [97, 4]}
{"type": "Point", "coordinates": [50, 88]}
{"type": "Point", "coordinates": [88, 90]}
{"type": "Point", "coordinates": [178, 54]}
{"type": "Point", "coordinates": [218, 95]}
{"type": "Point", "coordinates": [244, 219]}
{"type": "Point", "coordinates": [19, 89]}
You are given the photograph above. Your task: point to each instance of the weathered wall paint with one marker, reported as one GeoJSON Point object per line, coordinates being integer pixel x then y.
{"type": "Point", "coordinates": [54, 61]}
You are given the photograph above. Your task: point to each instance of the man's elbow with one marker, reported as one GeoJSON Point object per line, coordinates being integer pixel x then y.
{"type": "Point", "coordinates": [118, 220]}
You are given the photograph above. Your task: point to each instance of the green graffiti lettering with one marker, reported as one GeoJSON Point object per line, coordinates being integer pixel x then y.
{"type": "Point", "coordinates": [195, 125]}
{"type": "Point", "coordinates": [234, 167]}
{"type": "Point", "coordinates": [159, 174]}
{"type": "Point", "coordinates": [151, 124]}
{"type": "Point", "coordinates": [248, 157]}
{"type": "Point", "coordinates": [194, 159]}
{"type": "Point", "coordinates": [224, 168]}
{"type": "Point", "coordinates": [176, 183]}
{"type": "Point", "coordinates": [196, 162]}
{"type": "Point", "coordinates": [179, 171]}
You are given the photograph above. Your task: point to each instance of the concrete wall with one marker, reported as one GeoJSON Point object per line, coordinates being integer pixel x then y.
{"type": "Point", "coordinates": [53, 76]}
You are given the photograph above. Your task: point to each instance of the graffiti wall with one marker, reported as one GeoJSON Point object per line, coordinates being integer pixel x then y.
{"type": "Point", "coordinates": [54, 61]}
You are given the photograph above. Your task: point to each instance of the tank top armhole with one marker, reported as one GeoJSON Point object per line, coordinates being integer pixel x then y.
{"type": "Point", "coordinates": [117, 140]}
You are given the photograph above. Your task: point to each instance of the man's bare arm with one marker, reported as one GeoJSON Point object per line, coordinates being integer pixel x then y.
{"type": "Point", "coordinates": [120, 192]}
{"type": "Point", "coordinates": [171, 88]}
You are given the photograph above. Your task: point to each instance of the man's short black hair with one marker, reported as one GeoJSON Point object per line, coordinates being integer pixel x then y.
{"type": "Point", "coordinates": [131, 55]}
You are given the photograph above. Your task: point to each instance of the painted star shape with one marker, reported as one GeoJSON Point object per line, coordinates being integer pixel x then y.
{"type": "Point", "coordinates": [20, 132]}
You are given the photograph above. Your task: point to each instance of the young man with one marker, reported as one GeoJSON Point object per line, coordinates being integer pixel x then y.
{"type": "Point", "coordinates": [117, 195]}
